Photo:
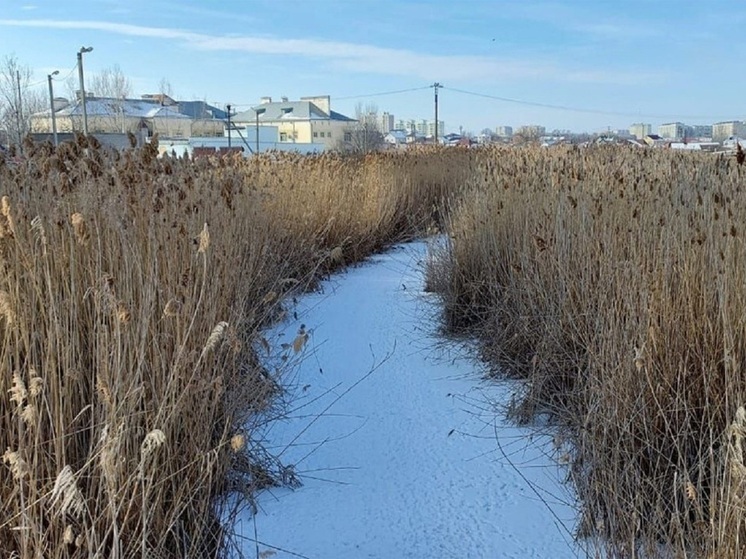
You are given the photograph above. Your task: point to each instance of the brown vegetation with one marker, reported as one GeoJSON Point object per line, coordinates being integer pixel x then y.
{"type": "Point", "coordinates": [133, 290]}
{"type": "Point", "coordinates": [614, 281]}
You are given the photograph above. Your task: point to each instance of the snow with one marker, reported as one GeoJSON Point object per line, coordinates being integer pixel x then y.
{"type": "Point", "coordinates": [395, 437]}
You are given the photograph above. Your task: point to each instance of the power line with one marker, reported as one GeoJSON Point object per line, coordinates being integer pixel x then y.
{"type": "Point", "coordinates": [380, 94]}
{"type": "Point", "coordinates": [362, 96]}
{"type": "Point", "coordinates": [70, 73]}
{"type": "Point", "coordinates": [578, 109]}
{"type": "Point", "coordinates": [34, 84]}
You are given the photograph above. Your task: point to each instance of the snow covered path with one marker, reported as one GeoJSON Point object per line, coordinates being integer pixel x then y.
{"type": "Point", "coordinates": [405, 464]}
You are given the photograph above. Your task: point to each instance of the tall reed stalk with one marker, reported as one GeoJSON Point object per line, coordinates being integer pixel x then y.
{"type": "Point", "coordinates": [133, 293]}
{"type": "Point", "coordinates": [613, 281]}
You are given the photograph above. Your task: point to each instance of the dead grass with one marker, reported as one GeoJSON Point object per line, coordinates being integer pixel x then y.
{"type": "Point", "coordinates": [614, 281]}
{"type": "Point", "coordinates": [133, 291]}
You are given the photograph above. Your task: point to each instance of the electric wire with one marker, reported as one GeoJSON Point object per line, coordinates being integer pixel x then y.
{"type": "Point", "coordinates": [579, 109]}
{"type": "Point", "coordinates": [70, 73]}
{"type": "Point", "coordinates": [382, 93]}
{"type": "Point", "coordinates": [348, 97]}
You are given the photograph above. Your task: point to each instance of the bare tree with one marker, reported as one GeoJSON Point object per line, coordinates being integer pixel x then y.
{"type": "Point", "coordinates": [165, 88]}
{"type": "Point", "coordinates": [18, 101]}
{"type": "Point", "coordinates": [112, 85]}
{"type": "Point", "coordinates": [72, 86]}
{"type": "Point", "coordinates": [365, 135]}
{"type": "Point", "coordinates": [111, 82]}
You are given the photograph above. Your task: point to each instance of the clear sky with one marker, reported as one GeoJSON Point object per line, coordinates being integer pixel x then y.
{"type": "Point", "coordinates": [631, 61]}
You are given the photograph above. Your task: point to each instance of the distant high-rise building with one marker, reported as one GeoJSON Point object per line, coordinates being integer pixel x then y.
{"type": "Point", "coordinates": [639, 130]}
{"type": "Point", "coordinates": [701, 130]}
{"type": "Point", "coordinates": [427, 127]}
{"type": "Point", "coordinates": [431, 128]}
{"type": "Point", "coordinates": [723, 130]}
{"type": "Point", "coordinates": [387, 123]}
{"type": "Point", "coordinates": [422, 127]}
{"type": "Point", "coordinates": [673, 130]}
{"type": "Point", "coordinates": [504, 131]}
{"type": "Point", "coordinates": [531, 131]}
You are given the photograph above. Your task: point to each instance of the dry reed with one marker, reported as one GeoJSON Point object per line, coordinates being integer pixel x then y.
{"type": "Point", "coordinates": [126, 414]}
{"type": "Point", "coordinates": [613, 280]}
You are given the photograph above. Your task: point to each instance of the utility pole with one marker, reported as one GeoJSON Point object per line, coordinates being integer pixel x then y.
{"type": "Point", "coordinates": [81, 52]}
{"type": "Point", "coordinates": [435, 88]}
{"type": "Point", "coordinates": [51, 105]}
{"type": "Point", "coordinates": [19, 109]}
{"type": "Point", "coordinates": [229, 126]}
{"type": "Point", "coordinates": [258, 112]}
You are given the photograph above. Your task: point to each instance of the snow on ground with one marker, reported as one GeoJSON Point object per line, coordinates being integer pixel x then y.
{"type": "Point", "coordinates": [404, 460]}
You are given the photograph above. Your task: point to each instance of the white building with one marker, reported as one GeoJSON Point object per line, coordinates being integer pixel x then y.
{"type": "Point", "coordinates": [724, 130]}
{"type": "Point", "coordinates": [396, 137]}
{"type": "Point", "coordinates": [701, 130]}
{"type": "Point", "coordinates": [673, 130]}
{"type": "Point", "coordinates": [422, 127]}
{"type": "Point", "coordinates": [504, 131]}
{"type": "Point", "coordinates": [640, 129]}
{"type": "Point", "coordinates": [387, 123]}
{"type": "Point", "coordinates": [531, 131]}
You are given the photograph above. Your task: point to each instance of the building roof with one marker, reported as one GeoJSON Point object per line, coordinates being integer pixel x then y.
{"type": "Point", "coordinates": [200, 109]}
{"type": "Point", "coordinates": [288, 111]}
{"type": "Point", "coordinates": [105, 106]}
{"type": "Point", "coordinates": [396, 135]}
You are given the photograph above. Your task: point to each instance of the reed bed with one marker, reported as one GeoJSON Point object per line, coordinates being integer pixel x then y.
{"type": "Point", "coordinates": [133, 293]}
{"type": "Point", "coordinates": [613, 282]}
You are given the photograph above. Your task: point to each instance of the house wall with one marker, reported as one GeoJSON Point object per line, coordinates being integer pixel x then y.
{"type": "Point", "coordinates": [171, 127]}
{"type": "Point", "coordinates": [207, 127]}
{"type": "Point", "coordinates": [178, 127]}
{"type": "Point", "coordinates": [327, 132]}
{"type": "Point", "coordinates": [68, 123]}
{"type": "Point", "coordinates": [333, 132]}
{"type": "Point", "coordinates": [298, 131]}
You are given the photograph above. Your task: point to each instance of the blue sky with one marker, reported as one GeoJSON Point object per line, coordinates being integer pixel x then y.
{"type": "Point", "coordinates": [630, 61]}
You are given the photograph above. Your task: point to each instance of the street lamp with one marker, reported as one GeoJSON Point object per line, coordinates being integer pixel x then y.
{"type": "Point", "coordinates": [229, 127]}
{"type": "Point", "coordinates": [81, 52]}
{"type": "Point", "coordinates": [51, 105]}
{"type": "Point", "coordinates": [258, 112]}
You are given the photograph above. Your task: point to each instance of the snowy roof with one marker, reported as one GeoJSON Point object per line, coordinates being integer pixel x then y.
{"type": "Point", "coordinates": [200, 109]}
{"type": "Point", "coordinates": [105, 106]}
{"type": "Point", "coordinates": [289, 110]}
{"type": "Point", "coordinates": [398, 135]}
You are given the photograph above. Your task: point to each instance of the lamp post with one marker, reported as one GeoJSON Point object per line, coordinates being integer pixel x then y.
{"type": "Point", "coordinates": [51, 105]}
{"type": "Point", "coordinates": [229, 127]}
{"type": "Point", "coordinates": [81, 52]}
{"type": "Point", "coordinates": [258, 112]}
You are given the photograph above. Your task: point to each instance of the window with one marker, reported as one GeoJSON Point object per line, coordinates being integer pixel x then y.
{"type": "Point", "coordinates": [348, 136]}
{"type": "Point", "coordinates": [283, 136]}
{"type": "Point", "coordinates": [315, 134]}
{"type": "Point", "coordinates": [322, 134]}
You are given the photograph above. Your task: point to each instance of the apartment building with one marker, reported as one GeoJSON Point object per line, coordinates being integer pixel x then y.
{"type": "Point", "coordinates": [673, 130]}
{"type": "Point", "coordinates": [387, 123]}
{"type": "Point", "coordinates": [640, 129]}
{"type": "Point", "coordinates": [723, 130]}
{"type": "Point", "coordinates": [309, 120]}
